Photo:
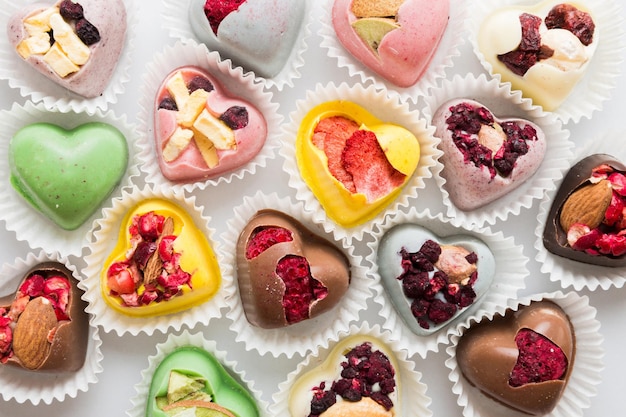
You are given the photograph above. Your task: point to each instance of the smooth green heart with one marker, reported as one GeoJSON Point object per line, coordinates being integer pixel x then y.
{"type": "Point", "coordinates": [66, 174]}
{"type": "Point", "coordinates": [194, 361]}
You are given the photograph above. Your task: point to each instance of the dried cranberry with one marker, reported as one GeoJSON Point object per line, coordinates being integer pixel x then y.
{"type": "Point", "coordinates": [150, 225]}
{"type": "Point", "coordinates": [200, 83]}
{"type": "Point", "coordinates": [143, 252]}
{"type": "Point", "coordinates": [168, 103]}
{"type": "Point", "coordinates": [566, 16]}
{"type": "Point", "coordinates": [87, 32]}
{"type": "Point", "coordinates": [70, 10]}
{"type": "Point", "coordinates": [530, 50]}
{"type": "Point", "coordinates": [235, 117]}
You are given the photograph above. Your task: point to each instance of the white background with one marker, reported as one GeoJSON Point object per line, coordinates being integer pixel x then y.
{"type": "Point", "coordinates": [125, 357]}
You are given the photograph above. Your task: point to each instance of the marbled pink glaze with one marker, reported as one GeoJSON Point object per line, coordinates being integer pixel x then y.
{"type": "Point", "coordinates": [109, 17]}
{"type": "Point", "coordinates": [190, 165]}
{"type": "Point", "coordinates": [471, 187]}
{"type": "Point", "coordinates": [405, 53]}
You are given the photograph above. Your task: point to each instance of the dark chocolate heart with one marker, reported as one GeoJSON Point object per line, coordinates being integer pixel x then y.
{"type": "Point", "coordinates": [271, 245]}
{"type": "Point", "coordinates": [488, 353]}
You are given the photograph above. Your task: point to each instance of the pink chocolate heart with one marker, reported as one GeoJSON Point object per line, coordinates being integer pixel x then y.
{"type": "Point", "coordinates": [485, 157]}
{"type": "Point", "coordinates": [403, 54]}
{"type": "Point", "coordinates": [241, 120]}
{"type": "Point", "coordinates": [88, 79]}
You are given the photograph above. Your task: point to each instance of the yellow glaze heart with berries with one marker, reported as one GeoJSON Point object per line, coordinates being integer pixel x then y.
{"type": "Point", "coordinates": [354, 163]}
{"type": "Point", "coordinates": [162, 263]}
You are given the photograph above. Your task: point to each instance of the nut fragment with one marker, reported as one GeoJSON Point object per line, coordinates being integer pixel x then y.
{"type": "Point", "coordinates": [586, 205]}
{"type": "Point", "coordinates": [30, 338]}
{"type": "Point", "coordinates": [154, 266]}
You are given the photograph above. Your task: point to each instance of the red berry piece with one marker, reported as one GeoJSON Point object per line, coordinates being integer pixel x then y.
{"type": "Point", "coordinates": [264, 238]}
{"type": "Point", "coordinates": [87, 32]}
{"type": "Point", "coordinates": [566, 16]}
{"type": "Point", "coordinates": [235, 117]}
{"type": "Point", "coordinates": [70, 10]}
{"type": "Point", "coordinates": [530, 50]}
{"type": "Point", "coordinates": [168, 103]}
{"type": "Point", "coordinates": [217, 10]}
{"type": "Point", "coordinates": [200, 83]}
{"type": "Point", "coordinates": [539, 360]}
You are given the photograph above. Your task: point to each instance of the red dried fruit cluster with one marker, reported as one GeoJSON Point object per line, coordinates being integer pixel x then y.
{"type": "Point", "coordinates": [301, 288]}
{"type": "Point", "coordinates": [126, 278]}
{"type": "Point", "coordinates": [55, 288]}
{"type": "Point", "coordinates": [216, 10]}
{"type": "Point", "coordinates": [85, 30]}
{"type": "Point", "coordinates": [355, 158]}
{"type": "Point", "coordinates": [465, 122]}
{"type": "Point", "coordinates": [434, 299]}
{"type": "Point", "coordinates": [609, 238]}
{"type": "Point", "coordinates": [539, 359]}
{"type": "Point", "coordinates": [263, 238]}
{"type": "Point", "coordinates": [530, 50]}
{"type": "Point", "coordinates": [365, 373]}
{"type": "Point", "coordinates": [235, 117]}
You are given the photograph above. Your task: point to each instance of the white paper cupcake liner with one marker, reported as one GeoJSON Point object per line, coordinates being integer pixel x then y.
{"type": "Point", "coordinates": [20, 217]}
{"type": "Point", "coordinates": [301, 337]}
{"type": "Point", "coordinates": [176, 22]}
{"type": "Point", "coordinates": [448, 49]}
{"type": "Point", "coordinates": [504, 103]}
{"type": "Point", "coordinates": [571, 273]}
{"type": "Point", "coordinates": [508, 279]}
{"type": "Point", "coordinates": [38, 88]}
{"type": "Point", "coordinates": [600, 79]}
{"type": "Point", "coordinates": [36, 387]}
{"type": "Point", "coordinates": [102, 242]}
{"type": "Point", "coordinates": [388, 110]}
{"type": "Point", "coordinates": [413, 399]}
{"type": "Point", "coordinates": [583, 381]}
{"type": "Point", "coordinates": [233, 81]}
{"type": "Point", "coordinates": [173, 342]}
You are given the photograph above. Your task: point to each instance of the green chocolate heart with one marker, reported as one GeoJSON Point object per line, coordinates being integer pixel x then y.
{"type": "Point", "coordinates": [196, 362]}
{"type": "Point", "coordinates": [66, 174]}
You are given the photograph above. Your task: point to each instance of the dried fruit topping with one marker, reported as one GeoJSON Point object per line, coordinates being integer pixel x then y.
{"type": "Point", "coordinates": [566, 16]}
{"type": "Point", "coordinates": [301, 288]}
{"type": "Point", "coordinates": [539, 360]}
{"type": "Point", "coordinates": [438, 280]}
{"type": "Point", "coordinates": [365, 373]}
{"type": "Point", "coordinates": [151, 271]}
{"type": "Point", "coordinates": [87, 32]}
{"type": "Point", "coordinates": [235, 117]}
{"type": "Point", "coordinates": [530, 49]}
{"type": "Point", "coordinates": [467, 124]}
{"type": "Point", "coordinates": [264, 238]}
{"type": "Point", "coordinates": [70, 10]}
{"type": "Point", "coordinates": [200, 83]}
{"type": "Point", "coordinates": [168, 103]}
{"type": "Point", "coordinates": [217, 10]}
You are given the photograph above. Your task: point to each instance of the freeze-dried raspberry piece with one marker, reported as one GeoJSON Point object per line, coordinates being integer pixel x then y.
{"type": "Point", "coordinates": [301, 288]}
{"type": "Point", "coordinates": [235, 117]}
{"type": "Point", "coordinates": [565, 16]}
{"type": "Point", "coordinates": [265, 237]}
{"type": "Point", "coordinates": [371, 172]}
{"type": "Point", "coordinates": [217, 10]}
{"type": "Point", "coordinates": [539, 359]}
{"type": "Point", "coordinates": [440, 311]}
{"type": "Point", "coordinates": [168, 103]}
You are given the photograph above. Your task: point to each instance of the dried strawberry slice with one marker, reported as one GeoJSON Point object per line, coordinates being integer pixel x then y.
{"type": "Point", "coordinates": [539, 359]}
{"type": "Point", "coordinates": [264, 238]}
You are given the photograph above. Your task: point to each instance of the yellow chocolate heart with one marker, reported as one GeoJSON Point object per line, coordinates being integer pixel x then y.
{"type": "Point", "coordinates": [400, 147]}
{"type": "Point", "coordinates": [196, 258]}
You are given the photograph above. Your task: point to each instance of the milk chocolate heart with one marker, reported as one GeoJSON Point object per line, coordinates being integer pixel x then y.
{"type": "Point", "coordinates": [485, 157]}
{"type": "Point", "coordinates": [286, 273]}
{"type": "Point", "coordinates": [587, 219]}
{"type": "Point", "coordinates": [396, 39]}
{"type": "Point", "coordinates": [192, 379]}
{"type": "Point", "coordinates": [432, 280]}
{"type": "Point", "coordinates": [66, 174]}
{"type": "Point", "coordinates": [523, 360]}
{"type": "Point", "coordinates": [76, 45]}
{"type": "Point", "coordinates": [354, 163]}
{"type": "Point", "coordinates": [44, 326]}
{"type": "Point", "coordinates": [342, 386]}
{"type": "Point", "coordinates": [542, 50]}
{"type": "Point", "coordinates": [200, 131]}
{"type": "Point", "coordinates": [162, 263]}
{"type": "Point", "coordinates": [271, 30]}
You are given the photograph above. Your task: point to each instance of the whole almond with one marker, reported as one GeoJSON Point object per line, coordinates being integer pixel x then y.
{"type": "Point", "coordinates": [154, 266]}
{"type": "Point", "coordinates": [587, 205]}
{"type": "Point", "coordinates": [30, 337]}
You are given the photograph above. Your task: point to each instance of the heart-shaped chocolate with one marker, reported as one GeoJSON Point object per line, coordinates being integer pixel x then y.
{"type": "Point", "coordinates": [271, 30]}
{"type": "Point", "coordinates": [43, 326]}
{"type": "Point", "coordinates": [543, 49]}
{"type": "Point", "coordinates": [433, 280]}
{"type": "Point", "coordinates": [286, 273]}
{"type": "Point", "coordinates": [200, 131]}
{"type": "Point", "coordinates": [396, 39]}
{"type": "Point", "coordinates": [161, 264]}
{"type": "Point", "coordinates": [329, 390]}
{"type": "Point", "coordinates": [485, 157]}
{"type": "Point", "coordinates": [190, 377]}
{"type": "Point", "coordinates": [354, 163]}
{"type": "Point", "coordinates": [523, 360]}
{"type": "Point", "coordinates": [76, 45]}
{"type": "Point", "coordinates": [66, 174]}
{"type": "Point", "coordinates": [587, 220]}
